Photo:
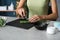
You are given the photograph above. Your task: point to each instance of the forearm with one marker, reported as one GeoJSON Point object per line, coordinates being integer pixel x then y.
{"type": "Point", "coordinates": [21, 3]}
{"type": "Point", "coordinates": [52, 16]}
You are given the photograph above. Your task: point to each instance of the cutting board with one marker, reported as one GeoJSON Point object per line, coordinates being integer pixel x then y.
{"type": "Point", "coordinates": [16, 23]}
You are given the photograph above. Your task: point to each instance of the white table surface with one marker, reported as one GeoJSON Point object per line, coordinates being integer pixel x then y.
{"type": "Point", "coordinates": [13, 33]}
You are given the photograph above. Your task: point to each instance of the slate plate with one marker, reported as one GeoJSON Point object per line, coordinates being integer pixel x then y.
{"type": "Point", "coordinates": [19, 23]}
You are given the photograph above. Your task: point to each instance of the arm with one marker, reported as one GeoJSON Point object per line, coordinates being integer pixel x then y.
{"type": "Point", "coordinates": [20, 9]}
{"type": "Point", "coordinates": [21, 3]}
{"type": "Point", "coordinates": [54, 13]}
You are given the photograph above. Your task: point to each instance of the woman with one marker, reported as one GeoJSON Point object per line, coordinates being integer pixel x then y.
{"type": "Point", "coordinates": [38, 10]}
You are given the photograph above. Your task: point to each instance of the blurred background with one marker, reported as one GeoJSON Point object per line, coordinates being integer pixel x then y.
{"type": "Point", "coordinates": [7, 3]}
{"type": "Point", "coordinates": [58, 4]}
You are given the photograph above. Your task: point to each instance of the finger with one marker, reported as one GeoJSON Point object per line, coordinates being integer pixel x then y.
{"type": "Point", "coordinates": [34, 19]}
{"type": "Point", "coordinates": [31, 19]}
{"type": "Point", "coordinates": [23, 12]}
{"type": "Point", "coordinates": [18, 16]}
{"type": "Point", "coordinates": [20, 13]}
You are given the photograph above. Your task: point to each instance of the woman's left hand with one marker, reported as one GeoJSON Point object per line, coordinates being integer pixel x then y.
{"type": "Point", "coordinates": [34, 18]}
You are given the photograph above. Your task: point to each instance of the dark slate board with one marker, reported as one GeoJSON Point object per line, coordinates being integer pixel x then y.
{"type": "Point", "coordinates": [16, 23]}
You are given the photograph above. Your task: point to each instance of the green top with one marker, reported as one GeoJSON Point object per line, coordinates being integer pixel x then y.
{"type": "Point", "coordinates": [38, 7]}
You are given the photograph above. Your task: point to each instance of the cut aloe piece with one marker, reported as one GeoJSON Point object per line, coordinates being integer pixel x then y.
{"type": "Point", "coordinates": [24, 21]}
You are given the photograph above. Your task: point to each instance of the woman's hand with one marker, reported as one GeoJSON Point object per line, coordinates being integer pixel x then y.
{"type": "Point", "coordinates": [35, 18]}
{"type": "Point", "coordinates": [21, 12]}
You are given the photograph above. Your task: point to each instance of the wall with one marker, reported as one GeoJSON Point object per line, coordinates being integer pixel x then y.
{"type": "Point", "coordinates": [58, 3]}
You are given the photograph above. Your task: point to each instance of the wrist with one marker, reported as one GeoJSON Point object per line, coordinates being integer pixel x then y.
{"type": "Point", "coordinates": [19, 7]}
{"type": "Point", "coordinates": [44, 17]}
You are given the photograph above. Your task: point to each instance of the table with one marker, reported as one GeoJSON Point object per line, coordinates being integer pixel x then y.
{"type": "Point", "coordinates": [14, 33]}
{"type": "Point", "coordinates": [8, 12]}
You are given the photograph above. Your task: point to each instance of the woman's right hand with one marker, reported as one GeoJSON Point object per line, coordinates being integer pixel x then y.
{"type": "Point", "coordinates": [21, 12]}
